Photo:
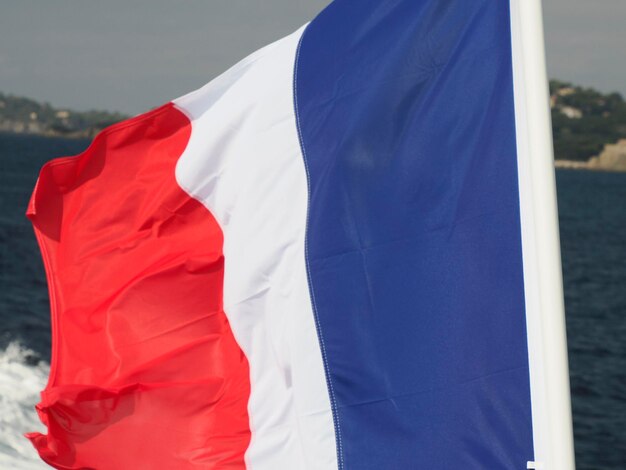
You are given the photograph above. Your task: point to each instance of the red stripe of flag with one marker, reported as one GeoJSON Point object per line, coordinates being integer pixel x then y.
{"type": "Point", "coordinates": [145, 372]}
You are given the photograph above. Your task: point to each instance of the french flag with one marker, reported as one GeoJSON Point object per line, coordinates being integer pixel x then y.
{"type": "Point", "coordinates": [340, 254]}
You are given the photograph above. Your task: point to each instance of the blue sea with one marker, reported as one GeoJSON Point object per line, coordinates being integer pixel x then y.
{"type": "Point", "coordinates": [592, 210]}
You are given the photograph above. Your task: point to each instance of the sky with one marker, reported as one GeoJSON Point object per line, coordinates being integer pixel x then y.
{"type": "Point", "coordinates": [132, 55]}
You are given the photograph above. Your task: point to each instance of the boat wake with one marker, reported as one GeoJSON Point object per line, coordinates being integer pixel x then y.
{"type": "Point", "coordinates": [22, 376]}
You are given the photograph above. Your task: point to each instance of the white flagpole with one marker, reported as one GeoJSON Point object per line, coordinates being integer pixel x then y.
{"type": "Point", "coordinates": [550, 391]}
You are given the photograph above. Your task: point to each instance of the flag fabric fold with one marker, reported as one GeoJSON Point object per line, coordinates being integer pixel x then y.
{"type": "Point", "coordinates": [313, 262]}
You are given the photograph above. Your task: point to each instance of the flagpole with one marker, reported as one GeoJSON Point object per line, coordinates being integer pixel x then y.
{"type": "Point", "coordinates": [550, 390]}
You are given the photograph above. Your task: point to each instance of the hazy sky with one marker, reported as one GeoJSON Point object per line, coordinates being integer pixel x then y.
{"type": "Point", "coordinates": [131, 55]}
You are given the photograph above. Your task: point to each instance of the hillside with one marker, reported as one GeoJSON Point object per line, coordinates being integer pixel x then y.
{"type": "Point", "coordinates": [23, 115]}
{"type": "Point", "coordinates": [584, 120]}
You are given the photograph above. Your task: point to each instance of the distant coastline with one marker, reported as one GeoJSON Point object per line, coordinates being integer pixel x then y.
{"type": "Point", "coordinates": [9, 129]}
{"type": "Point", "coordinates": [612, 158]}
{"type": "Point", "coordinates": [19, 115]}
{"type": "Point", "coordinates": [588, 127]}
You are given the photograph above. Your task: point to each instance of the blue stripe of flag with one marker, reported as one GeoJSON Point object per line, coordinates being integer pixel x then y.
{"type": "Point", "coordinates": [406, 116]}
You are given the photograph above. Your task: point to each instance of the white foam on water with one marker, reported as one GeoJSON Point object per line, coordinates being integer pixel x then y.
{"type": "Point", "coordinates": [20, 384]}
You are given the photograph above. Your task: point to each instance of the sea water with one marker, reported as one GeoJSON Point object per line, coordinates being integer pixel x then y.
{"type": "Point", "coordinates": [592, 209]}
{"type": "Point", "coordinates": [24, 312]}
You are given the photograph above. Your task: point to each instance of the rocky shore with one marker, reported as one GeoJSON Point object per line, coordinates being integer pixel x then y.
{"type": "Point", "coordinates": [612, 158]}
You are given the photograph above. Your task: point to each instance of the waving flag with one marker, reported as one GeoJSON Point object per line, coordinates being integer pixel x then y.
{"type": "Point", "coordinates": [340, 254]}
